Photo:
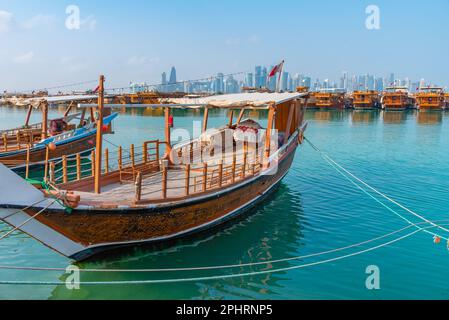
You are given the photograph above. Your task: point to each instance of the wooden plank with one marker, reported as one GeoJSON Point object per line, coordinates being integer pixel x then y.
{"type": "Point", "coordinates": [99, 144]}
{"type": "Point", "coordinates": [64, 169]}
{"type": "Point", "coordinates": [187, 179]}
{"type": "Point", "coordinates": [138, 195]}
{"type": "Point", "coordinates": [206, 119]}
{"type": "Point", "coordinates": [271, 115]}
{"type": "Point", "coordinates": [164, 183]}
{"type": "Point", "coordinates": [27, 121]}
{"type": "Point", "coordinates": [167, 131]}
{"type": "Point", "coordinates": [289, 121]}
{"type": "Point", "coordinates": [204, 177]}
{"type": "Point", "coordinates": [27, 173]}
{"type": "Point", "coordinates": [242, 113]}
{"type": "Point", "coordinates": [44, 120]}
{"type": "Point", "coordinates": [106, 160]}
{"type": "Point", "coordinates": [78, 166]}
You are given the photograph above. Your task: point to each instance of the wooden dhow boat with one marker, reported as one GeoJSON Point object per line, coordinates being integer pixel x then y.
{"type": "Point", "coordinates": [36, 144]}
{"type": "Point", "coordinates": [163, 192]}
{"type": "Point", "coordinates": [430, 98]}
{"type": "Point", "coordinates": [397, 99]}
{"type": "Point", "coordinates": [330, 99]}
{"type": "Point", "coordinates": [365, 100]}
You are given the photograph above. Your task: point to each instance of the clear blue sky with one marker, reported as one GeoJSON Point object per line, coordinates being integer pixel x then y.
{"type": "Point", "coordinates": [138, 40]}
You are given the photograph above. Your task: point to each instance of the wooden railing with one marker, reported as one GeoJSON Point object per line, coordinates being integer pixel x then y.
{"type": "Point", "coordinates": [197, 178]}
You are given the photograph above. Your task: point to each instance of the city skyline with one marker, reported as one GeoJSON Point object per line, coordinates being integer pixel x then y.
{"type": "Point", "coordinates": [319, 38]}
{"type": "Point", "coordinates": [222, 83]}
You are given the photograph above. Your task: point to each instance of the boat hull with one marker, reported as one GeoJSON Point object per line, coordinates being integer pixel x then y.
{"type": "Point", "coordinates": [100, 231]}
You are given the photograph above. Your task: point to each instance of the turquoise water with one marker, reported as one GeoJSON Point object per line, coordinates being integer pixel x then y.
{"type": "Point", "coordinates": [315, 209]}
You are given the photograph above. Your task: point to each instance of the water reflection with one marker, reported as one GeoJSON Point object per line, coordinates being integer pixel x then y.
{"type": "Point", "coordinates": [272, 231]}
{"type": "Point", "coordinates": [326, 115]}
{"type": "Point", "coordinates": [365, 116]}
{"type": "Point", "coordinates": [394, 117]}
{"type": "Point", "coordinates": [430, 117]}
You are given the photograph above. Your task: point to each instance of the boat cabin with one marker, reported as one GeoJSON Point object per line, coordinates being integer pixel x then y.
{"type": "Point", "coordinates": [396, 98]}
{"type": "Point", "coordinates": [430, 98]}
{"type": "Point", "coordinates": [330, 99]}
{"type": "Point", "coordinates": [365, 99]}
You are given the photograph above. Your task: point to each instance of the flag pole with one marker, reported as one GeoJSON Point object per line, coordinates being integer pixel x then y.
{"type": "Point", "coordinates": [278, 85]}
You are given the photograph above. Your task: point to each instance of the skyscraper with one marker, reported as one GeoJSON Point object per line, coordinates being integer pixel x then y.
{"type": "Point", "coordinates": [249, 80]}
{"type": "Point", "coordinates": [218, 85]}
{"type": "Point", "coordinates": [284, 81]}
{"type": "Point", "coordinates": [172, 76]}
{"type": "Point", "coordinates": [258, 77]}
{"type": "Point", "coordinates": [392, 80]}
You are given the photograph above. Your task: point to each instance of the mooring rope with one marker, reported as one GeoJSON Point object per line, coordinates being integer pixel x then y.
{"type": "Point", "coordinates": [210, 278]}
{"type": "Point", "coordinates": [334, 164]}
{"type": "Point", "coordinates": [231, 266]}
{"type": "Point", "coordinates": [388, 208]}
{"type": "Point", "coordinates": [26, 221]}
{"type": "Point", "coordinates": [21, 210]}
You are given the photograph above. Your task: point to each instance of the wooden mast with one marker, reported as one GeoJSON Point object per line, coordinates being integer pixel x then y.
{"type": "Point", "coordinates": [27, 121]}
{"type": "Point", "coordinates": [167, 131]}
{"type": "Point", "coordinates": [271, 114]}
{"type": "Point", "coordinates": [242, 113]}
{"type": "Point", "coordinates": [44, 119]}
{"type": "Point", "coordinates": [231, 118]}
{"type": "Point", "coordinates": [290, 120]}
{"type": "Point", "coordinates": [206, 118]}
{"type": "Point", "coordinates": [99, 144]}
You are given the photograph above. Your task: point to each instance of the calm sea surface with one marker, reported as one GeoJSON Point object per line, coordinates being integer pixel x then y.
{"type": "Point", "coordinates": [405, 155]}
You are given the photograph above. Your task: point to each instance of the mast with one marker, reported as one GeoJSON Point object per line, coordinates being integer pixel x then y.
{"type": "Point", "coordinates": [206, 119]}
{"type": "Point", "coordinates": [44, 107]}
{"type": "Point", "coordinates": [271, 114]}
{"type": "Point", "coordinates": [27, 121]}
{"type": "Point", "coordinates": [99, 144]}
{"type": "Point", "coordinates": [167, 131]}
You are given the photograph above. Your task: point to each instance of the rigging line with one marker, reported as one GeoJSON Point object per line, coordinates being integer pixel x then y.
{"type": "Point", "coordinates": [117, 146]}
{"type": "Point", "coordinates": [180, 82]}
{"type": "Point", "coordinates": [384, 205]}
{"type": "Point", "coordinates": [223, 266]}
{"type": "Point", "coordinates": [26, 221]}
{"type": "Point", "coordinates": [372, 188]}
{"type": "Point", "coordinates": [59, 87]}
{"type": "Point", "coordinates": [210, 278]}
{"type": "Point", "coordinates": [21, 210]}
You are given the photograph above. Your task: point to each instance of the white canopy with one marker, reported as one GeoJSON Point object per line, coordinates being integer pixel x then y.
{"type": "Point", "coordinates": [52, 99]}
{"type": "Point", "coordinates": [249, 100]}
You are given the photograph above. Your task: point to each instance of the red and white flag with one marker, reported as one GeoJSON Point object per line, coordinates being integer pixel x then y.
{"type": "Point", "coordinates": [276, 69]}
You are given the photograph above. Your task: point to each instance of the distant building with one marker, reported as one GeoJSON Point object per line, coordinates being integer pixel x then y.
{"type": "Point", "coordinates": [231, 85]}
{"type": "Point", "coordinates": [284, 81]}
{"type": "Point", "coordinates": [249, 81]}
{"type": "Point", "coordinates": [379, 84]}
{"type": "Point", "coordinates": [392, 79]}
{"type": "Point", "coordinates": [218, 84]}
{"type": "Point", "coordinates": [258, 77]}
{"type": "Point", "coordinates": [173, 79]}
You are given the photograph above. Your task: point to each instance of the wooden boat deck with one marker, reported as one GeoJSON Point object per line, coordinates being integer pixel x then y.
{"type": "Point", "coordinates": [124, 193]}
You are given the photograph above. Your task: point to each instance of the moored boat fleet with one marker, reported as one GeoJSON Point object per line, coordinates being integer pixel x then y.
{"type": "Point", "coordinates": [395, 98]}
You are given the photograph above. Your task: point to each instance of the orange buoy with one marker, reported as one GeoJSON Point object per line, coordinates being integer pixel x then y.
{"type": "Point", "coordinates": [437, 240]}
{"type": "Point", "coordinates": [52, 146]}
